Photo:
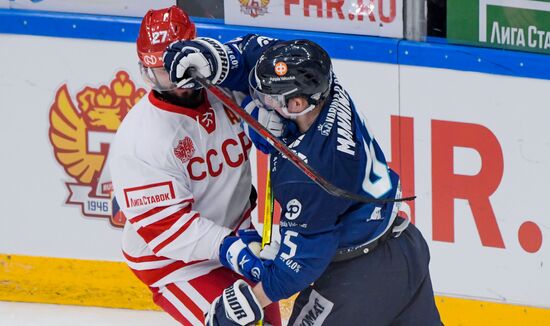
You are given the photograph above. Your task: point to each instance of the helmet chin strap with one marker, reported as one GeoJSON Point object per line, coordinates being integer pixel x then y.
{"type": "Point", "coordinates": [293, 116]}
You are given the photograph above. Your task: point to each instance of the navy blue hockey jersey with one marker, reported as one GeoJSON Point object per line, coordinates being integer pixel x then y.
{"type": "Point", "coordinates": [338, 145]}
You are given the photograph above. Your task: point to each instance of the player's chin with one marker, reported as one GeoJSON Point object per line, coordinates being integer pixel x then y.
{"type": "Point", "coordinates": [182, 92]}
{"type": "Point", "coordinates": [189, 97]}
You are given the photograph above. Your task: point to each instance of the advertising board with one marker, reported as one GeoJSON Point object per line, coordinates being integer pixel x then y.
{"type": "Point", "coordinates": [508, 24]}
{"type": "Point", "coordinates": [363, 17]}
{"type": "Point", "coordinates": [471, 146]}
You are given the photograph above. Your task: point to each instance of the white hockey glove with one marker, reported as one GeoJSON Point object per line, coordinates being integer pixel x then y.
{"type": "Point", "coordinates": [270, 251]}
{"type": "Point", "coordinates": [270, 119]}
{"type": "Point", "coordinates": [203, 54]}
{"type": "Point", "coordinates": [236, 306]}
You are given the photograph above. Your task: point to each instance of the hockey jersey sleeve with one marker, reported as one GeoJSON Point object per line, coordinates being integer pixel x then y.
{"type": "Point", "coordinates": [242, 54]}
{"type": "Point", "coordinates": [309, 238]}
{"type": "Point", "coordinates": [159, 205]}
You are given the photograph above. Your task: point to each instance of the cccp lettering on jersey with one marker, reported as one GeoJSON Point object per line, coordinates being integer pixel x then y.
{"type": "Point", "coordinates": [232, 153]}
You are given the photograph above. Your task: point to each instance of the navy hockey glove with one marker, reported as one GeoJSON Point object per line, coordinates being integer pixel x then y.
{"type": "Point", "coordinates": [241, 254]}
{"type": "Point", "coordinates": [249, 235]}
{"type": "Point", "coordinates": [206, 55]}
{"type": "Point", "coordinates": [236, 306]}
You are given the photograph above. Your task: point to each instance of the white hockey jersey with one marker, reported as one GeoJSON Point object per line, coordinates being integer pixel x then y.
{"type": "Point", "coordinates": [182, 178]}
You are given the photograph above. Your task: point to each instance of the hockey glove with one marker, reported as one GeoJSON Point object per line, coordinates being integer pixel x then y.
{"type": "Point", "coordinates": [241, 254]}
{"type": "Point", "coordinates": [270, 119]}
{"type": "Point", "coordinates": [236, 306]}
{"type": "Point", "coordinates": [203, 54]}
{"type": "Point", "coordinates": [249, 236]}
{"type": "Point", "coordinates": [270, 251]}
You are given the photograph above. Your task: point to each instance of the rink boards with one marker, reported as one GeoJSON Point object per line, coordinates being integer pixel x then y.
{"type": "Point", "coordinates": [465, 127]}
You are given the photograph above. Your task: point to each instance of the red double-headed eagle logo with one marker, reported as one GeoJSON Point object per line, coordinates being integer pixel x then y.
{"type": "Point", "coordinates": [81, 134]}
{"type": "Point", "coordinates": [254, 8]}
{"type": "Point", "coordinates": [185, 150]}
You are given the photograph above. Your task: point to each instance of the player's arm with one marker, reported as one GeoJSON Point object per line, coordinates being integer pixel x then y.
{"type": "Point", "coordinates": [302, 257]}
{"type": "Point", "coordinates": [309, 239]}
{"type": "Point", "coordinates": [259, 292]}
{"type": "Point", "coordinates": [227, 65]}
{"type": "Point", "coordinates": [159, 207]}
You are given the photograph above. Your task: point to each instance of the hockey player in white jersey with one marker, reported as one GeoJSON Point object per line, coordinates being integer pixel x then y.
{"type": "Point", "coordinates": [181, 176]}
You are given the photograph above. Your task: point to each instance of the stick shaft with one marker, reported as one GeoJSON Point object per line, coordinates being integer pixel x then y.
{"type": "Point", "coordinates": [281, 147]}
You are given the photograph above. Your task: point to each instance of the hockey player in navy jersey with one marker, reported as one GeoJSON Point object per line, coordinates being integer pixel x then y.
{"type": "Point", "coordinates": [352, 263]}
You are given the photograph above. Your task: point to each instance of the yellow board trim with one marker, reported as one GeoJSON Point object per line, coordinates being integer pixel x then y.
{"type": "Point", "coordinates": [112, 284]}
{"type": "Point", "coordinates": [72, 282]}
{"type": "Point", "coordinates": [468, 312]}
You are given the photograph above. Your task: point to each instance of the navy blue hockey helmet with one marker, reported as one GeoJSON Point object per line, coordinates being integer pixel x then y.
{"type": "Point", "coordinates": [298, 68]}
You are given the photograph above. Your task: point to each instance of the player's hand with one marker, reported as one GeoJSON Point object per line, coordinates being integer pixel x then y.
{"type": "Point", "coordinates": [241, 253]}
{"type": "Point", "coordinates": [236, 306]}
{"type": "Point", "coordinates": [200, 53]}
{"type": "Point", "coordinates": [270, 251]}
{"type": "Point", "coordinates": [249, 236]}
{"type": "Point", "coordinates": [270, 119]}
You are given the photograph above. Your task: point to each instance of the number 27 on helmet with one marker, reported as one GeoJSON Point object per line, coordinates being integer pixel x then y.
{"type": "Point", "coordinates": [158, 29]}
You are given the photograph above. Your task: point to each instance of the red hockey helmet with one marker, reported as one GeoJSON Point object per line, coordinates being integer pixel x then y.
{"type": "Point", "coordinates": [158, 29]}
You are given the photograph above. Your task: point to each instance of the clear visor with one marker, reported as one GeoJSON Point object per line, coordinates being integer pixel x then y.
{"type": "Point", "coordinates": [157, 78]}
{"type": "Point", "coordinates": [277, 102]}
{"type": "Point", "coordinates": [267, 101]}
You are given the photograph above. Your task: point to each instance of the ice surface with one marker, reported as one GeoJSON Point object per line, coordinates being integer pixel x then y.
{"type": "Point", "coordinates": [27, 314]}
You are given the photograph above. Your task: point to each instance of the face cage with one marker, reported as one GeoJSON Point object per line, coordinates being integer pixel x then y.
{"type": "Point", "coordinates": [277, 102]}
{"type": "Point", "coordinates": [156, 78]}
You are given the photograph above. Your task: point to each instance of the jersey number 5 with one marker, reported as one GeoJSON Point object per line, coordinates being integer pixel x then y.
{"type": "Point", "coordinates": [287, 241]}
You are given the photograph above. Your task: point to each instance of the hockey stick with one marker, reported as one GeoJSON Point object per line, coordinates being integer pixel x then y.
{"type": "Point", "coordinates": [268, 210]}
{"type": "Point", "coordinates": [280, 146]}
{"type": "Point", "coordinates": [268, 217]}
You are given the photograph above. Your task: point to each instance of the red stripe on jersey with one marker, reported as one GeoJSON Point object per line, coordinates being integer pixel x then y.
{"type": "Point", "coordinates": [143, 259]}
{"type": "Point", "coordinates": [150, 212]}
{"type": "Point", "coordinates": [187, 302]}
{"type": "Point", "coordinates": [212, 284]}
{"type": "Point", "coordinates": [244, 217]}
{"type": "Point", "coordinates": [151, 231]}
{"type": "Point", "coordinates": [151, 276]}
{"type": "Point", "coordinates": [155, 210]}
{"type": "Point", "coordinates": [175, 235]}
{"type": "Point", "coordinates": [169, 308]}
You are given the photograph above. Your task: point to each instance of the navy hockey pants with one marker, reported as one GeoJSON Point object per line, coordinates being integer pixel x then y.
{"type": "Point", "coordinates": [389, 286]}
